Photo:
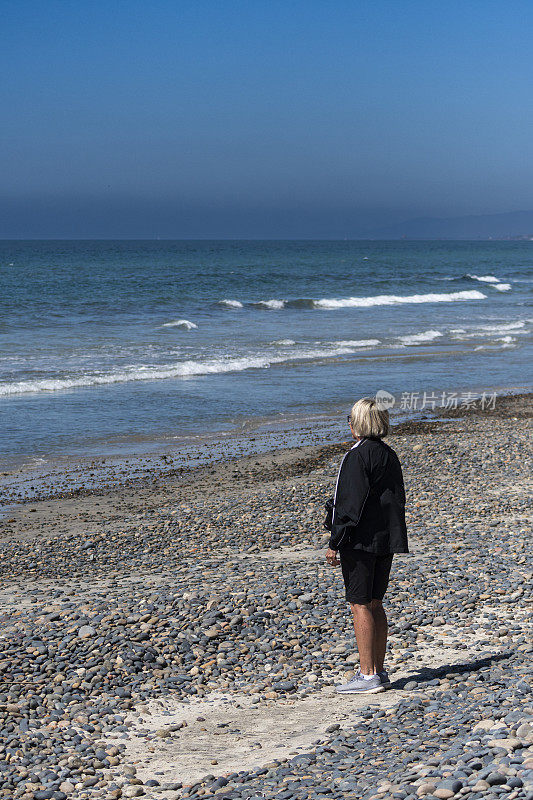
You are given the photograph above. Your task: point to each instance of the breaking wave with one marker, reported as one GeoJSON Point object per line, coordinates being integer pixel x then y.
{"type": "Point", "coordinates": [358, 342]}
{"type": "Point", "coordinates": [502, 287]}
{"type": "Point", "coordinates": [182, 369]}
{"type": "Point", "coordinates": [360, 302]}
{"type": "Point", "coordinates": [483, 278]}
{"type": "Point", "coordinates": [506, 326]}
{"type": "Point", "coordinates": [230, 303]}
{"type": "Point", "coordinates": [394, 299]}
{"type": "Point", "coordinates": [492, 280]}
{"type": "Point", "coordinates": [486, 330]}
{"type": "Point", "coordinates": [417, 338]}
{"type": "Point", "coordinates": [506, 339]}
{"type": "Point", "coordinates": [180, 323]}
{"type": "Point", "coordinates": [270, 304]}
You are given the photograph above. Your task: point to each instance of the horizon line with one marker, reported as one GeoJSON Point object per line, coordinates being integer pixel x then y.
{"type": "Point", "coordinates": [510, 238]}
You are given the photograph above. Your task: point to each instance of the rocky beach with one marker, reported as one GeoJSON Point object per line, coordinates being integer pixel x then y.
{"type": "Point", "coordinates": [181, 636]}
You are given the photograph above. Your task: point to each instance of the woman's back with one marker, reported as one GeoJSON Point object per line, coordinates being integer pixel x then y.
{"type": "Point", "coordinates": [370, 500]}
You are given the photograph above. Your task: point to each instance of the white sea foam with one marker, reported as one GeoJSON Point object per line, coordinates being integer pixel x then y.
{"type": "Point", "coordinates": [506, 326]}
{"type": "Point", "coordinates": [502, 287]}
{"type": "Point", "coordinates": [492, 280]}
{"type": "Point", "coordinates": [182, 369]}
{"type": "Point", "coordinates": [284, 342]}
{"type": "Point", "coordinates": [486, 330]}
{"type": "Point", "coordinates": [394, 299]}
{"type": "Point", "coordinates": [230, 303]}
{"type": "Point", "coordinates": [484, 278]}
{"type": "Point", "coordinates": [417, 338]}
{"type": "Point", "coordinates": [358, 342]}
{"type": "Point", "coordinates": [180, 323]}
{"type": "Point", "coordinates": [493, 346]}
{"type": "Point", "coordinates": [277, 304]}
{"type": "Point", "coordinates": [331, 303]}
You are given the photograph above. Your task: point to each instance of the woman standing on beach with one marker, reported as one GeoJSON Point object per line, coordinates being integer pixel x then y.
{"type": "Point", "coordinates": [367, 527]}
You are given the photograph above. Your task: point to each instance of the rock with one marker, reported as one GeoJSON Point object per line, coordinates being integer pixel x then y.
{"type": "Point", "coordinates": [280, 630]}
{"type": "Point", "coordinates": [132, 791]}
{"type": "Point", "coordinates": [452, 786]}
{"type": "Point", "coordinates": [484, 725]}
{"type": "Point", "coordinates": [86, 631]}
{"type": "Point", "coordinates": [425, 788]}
{"type": "Point", "coordinates": [524, 731]}
{"type": "Point", "coordinates": [507, 744]}
{"type": "Point", "coordinates": [496, 779]}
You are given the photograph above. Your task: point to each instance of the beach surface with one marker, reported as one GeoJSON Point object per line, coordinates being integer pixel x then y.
{"type": "Point", "coordinates": [182, 635]}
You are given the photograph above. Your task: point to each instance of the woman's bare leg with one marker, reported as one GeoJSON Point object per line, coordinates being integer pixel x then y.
{"type": "Point", "coordinates": [365, 631]}
{"type": "Point", "coordinates": [371, 628]}
{"type": "Point", "coordinates": [380, 633]}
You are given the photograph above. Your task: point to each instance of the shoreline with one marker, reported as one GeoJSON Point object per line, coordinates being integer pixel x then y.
{"type": "Point", "coordinates": [184, 637]}
{"type": "Point", "coordinates": [229, 473]}
{"type": "Point", "coordinates": [73, 476]}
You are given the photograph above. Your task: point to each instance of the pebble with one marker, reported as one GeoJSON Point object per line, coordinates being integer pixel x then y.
{"type": "Point", "coordinates": [86, 631]}
{"type": "Point", "coordinates": [507, 744]}
{"type": "Point", "coordinates": [496, 779]}
{"type": "Point", "coordinates": [94, 632]}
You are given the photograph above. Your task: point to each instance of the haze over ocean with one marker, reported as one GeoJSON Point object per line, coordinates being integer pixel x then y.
{"type": "Point", "coordinates": [261, 120]}
{"type": "Point", "coordinates": [110, 345]}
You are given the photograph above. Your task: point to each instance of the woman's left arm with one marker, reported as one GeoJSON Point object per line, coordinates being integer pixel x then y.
{"type": "Point", "coordinates": [353, 487]}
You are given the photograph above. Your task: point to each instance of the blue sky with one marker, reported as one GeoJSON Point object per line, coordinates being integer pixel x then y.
{"type": "Point", "coordinates": [261, 118]}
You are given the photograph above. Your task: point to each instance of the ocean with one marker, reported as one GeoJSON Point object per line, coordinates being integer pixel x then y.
{"type": "Point", "coordinates": [110, 347]}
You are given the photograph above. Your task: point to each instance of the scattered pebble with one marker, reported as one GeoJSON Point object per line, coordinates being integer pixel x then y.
{"type": "Point", "coordinates": [222, 587]}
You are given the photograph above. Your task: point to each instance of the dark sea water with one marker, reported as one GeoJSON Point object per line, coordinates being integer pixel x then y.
{"type": "Point", "coordinates": [109, 346]}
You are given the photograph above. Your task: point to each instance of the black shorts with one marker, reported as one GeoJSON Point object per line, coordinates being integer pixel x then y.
{"type": "Point", "coordinates": [366, 575]}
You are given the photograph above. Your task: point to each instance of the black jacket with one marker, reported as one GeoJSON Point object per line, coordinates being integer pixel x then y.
{"type": "Point", "coordinates": [369, 503]}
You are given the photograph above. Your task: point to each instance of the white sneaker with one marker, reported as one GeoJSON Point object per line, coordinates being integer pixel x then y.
{"type": "Point", "coordinates": [361, 685]}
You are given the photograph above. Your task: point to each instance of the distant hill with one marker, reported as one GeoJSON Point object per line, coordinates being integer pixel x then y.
{"type": "Point", "coordinates": [512, 225]}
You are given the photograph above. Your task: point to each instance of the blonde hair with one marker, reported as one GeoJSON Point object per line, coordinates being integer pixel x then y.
{"type": "Point", "coordinates": [367, 419]}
